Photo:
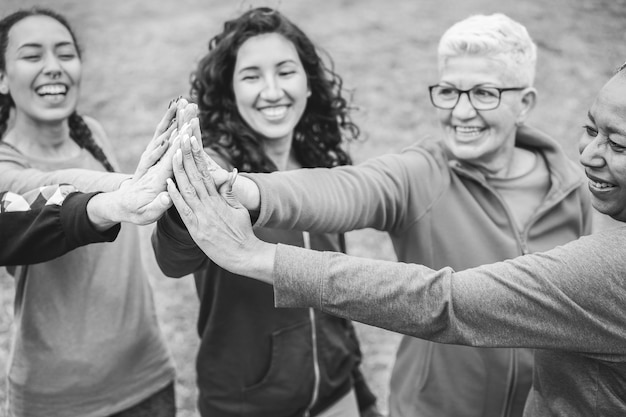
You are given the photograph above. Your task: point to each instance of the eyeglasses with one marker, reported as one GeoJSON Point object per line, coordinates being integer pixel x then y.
{"type": "Point", "coordinates": [480, 97]}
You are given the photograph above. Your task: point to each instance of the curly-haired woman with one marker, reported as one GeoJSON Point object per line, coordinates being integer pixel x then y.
{"type": "Point", "coordinates": [267, 101]}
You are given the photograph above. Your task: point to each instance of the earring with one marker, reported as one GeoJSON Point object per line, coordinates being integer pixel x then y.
{"type": "Point", "coordinates": [4, 89]}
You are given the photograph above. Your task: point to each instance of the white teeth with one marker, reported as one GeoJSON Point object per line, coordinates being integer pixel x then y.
{"type": "Point", "coordinates": [600, 184]}
{"type": "Point", "coordinates": [468, 130]}
{"type": "Point", "coordinates": [52, 89]}
{"type": "Point", "coordinates": [275, 112]}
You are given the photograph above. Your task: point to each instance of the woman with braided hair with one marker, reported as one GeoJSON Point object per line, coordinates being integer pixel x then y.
{"type": "Point", "coordinates": [87, 341]}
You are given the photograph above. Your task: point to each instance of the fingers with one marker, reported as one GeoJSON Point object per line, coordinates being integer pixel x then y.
{"type": "Point", "coordinates": [206, 165]}
{"type": "Point", "coordinates": [180, 112]}
{"type": "Point", "coordinates": [195, 128]}
{"type": "Point", "coordinates": [164, 165]}
{"type": "Point", "coordinates": [232, 179]}
{"type": "Point", "coordinates": [155, 209]}
{"type": "Point", "coordinates": [201, 181]}
{"type": "Point", "coordinates": [179, 119]}
{"type": "Point", "coordinates": [184, 194]}
{"type": "Point", "coordinates": [153, 154]}
{"type": "Point", "coordinates": [227, 191]}
{"type": "Point", "coordinates": [166, 120]}
{"type": "Point", "coordinates": [202, 160]}
{"type": "Point", "coordinates": [190, 112]}
{"type": "Point", "coordinates": [186, 214]}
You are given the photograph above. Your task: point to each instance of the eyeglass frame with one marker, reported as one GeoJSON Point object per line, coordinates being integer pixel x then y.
{"type": "Point", "coordinates": [467, 92]}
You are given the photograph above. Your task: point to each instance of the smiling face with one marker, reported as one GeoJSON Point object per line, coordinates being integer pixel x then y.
{"type": "Point", "coordinates": [270, 85]}
{"type": "Point", "coordinates": [603, 149]}
{"type": "Point", "coordinates": [484, 138]}
{"type": "Point", "coordinates": [43, 69]}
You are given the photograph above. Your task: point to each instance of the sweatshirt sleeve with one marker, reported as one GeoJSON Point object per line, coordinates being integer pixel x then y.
{"type": "Point", "coordinates": [46, 224]}
{"type": "Point", "coordinates": [384, 193]}
{"type": "Point", "coordinates": [175, 251]}
{"type": "Point", "coordinates": [569, 298]}
{"type": "Point", "coordinates": [18, 176]}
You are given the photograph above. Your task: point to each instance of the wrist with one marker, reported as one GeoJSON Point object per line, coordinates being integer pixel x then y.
{"type": "Point", "coordinates": [247, 192]}
{"type": "Point", "coordinates": [258, 261]}
{"type": "Point", "coordinates": [101, 212]}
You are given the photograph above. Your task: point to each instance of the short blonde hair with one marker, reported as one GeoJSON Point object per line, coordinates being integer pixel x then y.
{"type": "Point", "coordinates": [496, 36]}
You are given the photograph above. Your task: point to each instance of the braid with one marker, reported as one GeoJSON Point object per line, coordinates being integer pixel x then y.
{"type": "Point", "coordinates": [80, 132]}
{"type": "Point", "coordinates": [5, 111]}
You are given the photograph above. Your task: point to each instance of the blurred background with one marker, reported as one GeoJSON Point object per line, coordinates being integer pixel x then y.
{"type": "Point", "coordinates": [139, 54]}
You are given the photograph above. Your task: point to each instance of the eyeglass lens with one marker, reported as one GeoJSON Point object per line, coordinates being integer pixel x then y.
{"type": "Point", "coordinates": [482, 98]}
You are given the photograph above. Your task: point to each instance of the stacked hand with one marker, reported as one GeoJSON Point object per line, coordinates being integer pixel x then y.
{"type": "Point", "coordinates": [216, 220]}
{"type": "Point", "coordinates": [144, 198]}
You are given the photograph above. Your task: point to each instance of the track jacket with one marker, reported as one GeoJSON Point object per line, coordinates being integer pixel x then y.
{"type": "Point", "coordinates": [256, 360]}
{"type": "Point", "coordinates": [438, 213]}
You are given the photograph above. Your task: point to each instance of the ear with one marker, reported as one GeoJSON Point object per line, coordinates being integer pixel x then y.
{"type": "Point", "coordinates": [4, 83]}
{"type": "Point", "coordinates": [308, 92]}
{"type": "Point", "coordinates": [528, 101]}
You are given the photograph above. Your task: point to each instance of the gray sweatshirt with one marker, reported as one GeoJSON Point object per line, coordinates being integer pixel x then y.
{"type": "Point", "coordinates": [568, 303]}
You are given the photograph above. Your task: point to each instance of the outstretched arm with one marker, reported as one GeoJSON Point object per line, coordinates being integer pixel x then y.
{"type": "Point", "coordinates": [46, 223]}
{"type": "Point", "coordinates": [53, 220]}
{"type": "Point", "coordinates": [17, 176]}
{"type": "Point", "coordinates": [384, 193]}
{"type": "Point", "coordinates": [570, 298]}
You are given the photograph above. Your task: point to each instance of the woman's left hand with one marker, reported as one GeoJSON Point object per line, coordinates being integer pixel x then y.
{"type": "Point", "coordinates": [218, 223]}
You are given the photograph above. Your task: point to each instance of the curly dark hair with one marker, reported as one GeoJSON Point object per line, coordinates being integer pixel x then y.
{"type": "Point", "coordinates": [79, 131]}
{"type": "Point", "coordinates": [319, 133]}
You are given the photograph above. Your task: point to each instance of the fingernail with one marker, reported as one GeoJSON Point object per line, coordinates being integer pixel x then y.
{"type": "Point", "coordinates": [233, 177]}
{"type": "Point", "coordinates": [194, 143]}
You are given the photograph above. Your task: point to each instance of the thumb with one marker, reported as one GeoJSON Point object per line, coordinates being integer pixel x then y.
{"type": "Point", "coordinates": [226, 191]}
{"type": "Point", "coordinates": [155, 209]}
{"type": "Point", "coordinates": [164, 199]}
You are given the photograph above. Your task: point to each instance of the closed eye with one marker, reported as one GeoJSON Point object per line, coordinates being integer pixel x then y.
{"type": "Point", "coordinates": [591, 131]}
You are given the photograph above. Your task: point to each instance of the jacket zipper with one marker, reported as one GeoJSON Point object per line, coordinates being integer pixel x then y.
{"type": "Point", "coordinates": [521, 236]}
{"type": "Point", "coordinates": [316, 367]}
{"type": "Point", "coordinates": [522, 241]}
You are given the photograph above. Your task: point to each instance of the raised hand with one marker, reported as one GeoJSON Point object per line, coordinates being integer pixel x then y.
{"type": "Point", "coordinates": [160, 141]}
{"type": "Point", "coordinates": [140, 200]}
{"type": "Point", "coordinates": [220, 226]}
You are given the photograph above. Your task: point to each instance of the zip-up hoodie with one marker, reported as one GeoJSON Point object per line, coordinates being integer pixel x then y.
{"type": "Point", "coordinates": [255, 359]}
{"type": "Point", "coordinates": [438, 212]}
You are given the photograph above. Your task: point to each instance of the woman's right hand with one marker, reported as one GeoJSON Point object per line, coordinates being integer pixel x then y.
{"type": "Point", "coordinates": [160, 141]}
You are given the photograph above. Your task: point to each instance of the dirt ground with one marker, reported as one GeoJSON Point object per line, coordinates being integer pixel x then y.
{"type": "Point", "coordinates": [138, 55]}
